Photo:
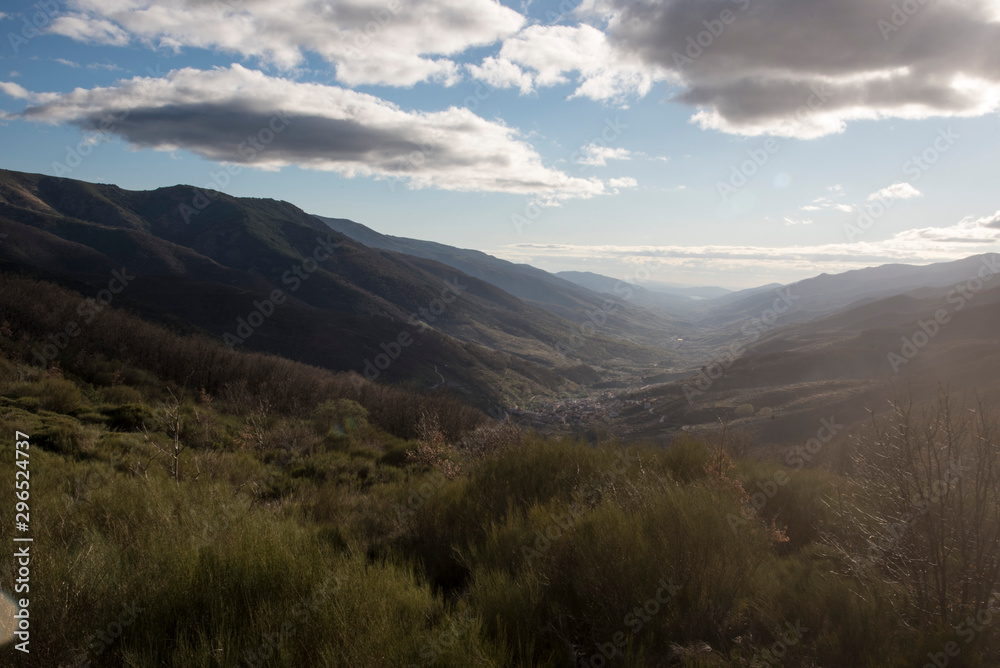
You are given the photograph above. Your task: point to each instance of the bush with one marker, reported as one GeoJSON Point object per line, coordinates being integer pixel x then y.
{"type": "Point", "coordinates": [30, 404]}
{"type": "Point", "coordinates": [398, 455]}
{"type": "Point", "coordinates": [338, 418]}
{"type": "Point", "coordinates": [129, 417]}
{"type": "Point", "coordinates": [121, 394]}
{"type": "Point", "coordinates": [60, 396]}
{"type": "Point", "coordinates": [64, 436]}
{"type": "Point", "coordinates": [686, 458]}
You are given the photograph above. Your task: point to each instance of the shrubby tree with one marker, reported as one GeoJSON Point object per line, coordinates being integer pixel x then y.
{"type": "Point", "coordinates": [923, 509]}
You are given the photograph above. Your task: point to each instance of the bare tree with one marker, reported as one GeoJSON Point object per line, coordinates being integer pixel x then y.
{"type": "Point", "coordinates": [923, 509]}
{"type": "Point", "coordinates": [169, 416]}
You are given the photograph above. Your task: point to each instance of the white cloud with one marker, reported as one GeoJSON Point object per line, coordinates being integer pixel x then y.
{"type": "Point", "coordinates": [15, 90]}
{"type": "Point", "coordinates": [391, 42]}
{"type": "Point", "coordinates": [3, 16]}
{"type": "Point", "coordinates": [67, 63]}
{"type": "Point", "coordinates": [923, 245]}
{"type": "Point", "coordinates": [623, 182]}
{"type": "Point", "coordinates": [89, 29]}
{"type": "Point", "coordinates": [501, 73]}
{"type": "Point", "coordinates": [595, 155]}
{"type": "Point", "coordinates": [215, 113]}
{"type": "Point", "coordinates": [896, 191]}
{"type": "Point", "coordinates": [798, 221]}
{"type": "Point", "coordinates": [556, 55]}
{"type": "Point", "coordinates": [110, 67]}
{"type": "Point", "coordinates": [826, 202]}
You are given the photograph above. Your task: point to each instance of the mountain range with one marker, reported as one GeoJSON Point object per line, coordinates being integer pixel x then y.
{"type": "Point", "coordinates": [220, 265]}
{"type": "Point", "coordinates": [266, 276]}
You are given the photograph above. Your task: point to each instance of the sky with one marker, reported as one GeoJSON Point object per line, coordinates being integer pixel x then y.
{"type": "Point", "coordinates": [696, 142]}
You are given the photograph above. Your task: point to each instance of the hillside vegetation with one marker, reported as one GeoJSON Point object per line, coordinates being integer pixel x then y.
{"type": "Point", "coordinates": [192, 505]}
{"type": "Point", "coordinates": [264, 275]}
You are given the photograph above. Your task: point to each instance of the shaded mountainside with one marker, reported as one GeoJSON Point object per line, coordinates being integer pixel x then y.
{"type": "Point", "coordinates": [215, 261]}
{"type": "Point", "coordinates": [637, 314]}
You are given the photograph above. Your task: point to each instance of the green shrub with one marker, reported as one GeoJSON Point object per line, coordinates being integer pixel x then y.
{"type": "Point", "coordinates": [338, 418]}
{"type": "Point", "coordinates": [397, 455]}
{"type": "Point", "coordinates": [61, 435]}
{"type": "Point", "coordinates": [794, 500]}
{"type": "Point", "coordinates": [121, 394]}
{"type": "Point", "coordinates": [31, 404]}
{"type": "Point", "coordinates": [686, 458]}
{"type": "Point", "coordinates": [60, 395]}
{"type": "Point", "coordinates": [92, 417]}
{"type": "Point", "coordinates": [129, 417]}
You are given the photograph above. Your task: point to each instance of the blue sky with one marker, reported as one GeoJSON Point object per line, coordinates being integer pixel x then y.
{"type": "Point", "coordinates": [723, 142]}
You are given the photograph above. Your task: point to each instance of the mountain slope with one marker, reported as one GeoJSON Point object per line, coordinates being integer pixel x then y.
{"type": "Point", "coordinates": [843, 365]}
{"type": "Point", "coordinates": [828, 293]}
{"type": "Point", "coordinates": [650, 299]}
{"type": "Point", "coordinates": [636, 316]}
{"type": "Point", "coordinates": [216, 261]}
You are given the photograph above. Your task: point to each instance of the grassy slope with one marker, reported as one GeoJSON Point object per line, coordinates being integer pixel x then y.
{"type": "Point", "coordinates": [318, 520]}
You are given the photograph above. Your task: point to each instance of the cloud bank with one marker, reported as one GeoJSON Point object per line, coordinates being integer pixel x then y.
{"type": "Point", "coordinates": [390, 42]}
{"type": "Point", "coordinates": [919, 246]}
{"type": "Point", "coordinates": [753, 66]}
{"type": "Point", "coordinates": [242, 116]}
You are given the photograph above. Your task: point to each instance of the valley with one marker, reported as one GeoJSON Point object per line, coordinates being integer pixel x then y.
{"type": "Point", "coordinates": [499, 334]}
{"type": "Point", "coordinates": [577, 351]}
{"type": "Point", "coordinates": [376, 402]}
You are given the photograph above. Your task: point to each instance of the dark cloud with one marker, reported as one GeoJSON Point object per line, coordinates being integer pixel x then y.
{"type": "Point", "coordinates": [768, 59]}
